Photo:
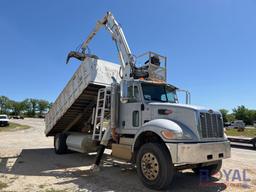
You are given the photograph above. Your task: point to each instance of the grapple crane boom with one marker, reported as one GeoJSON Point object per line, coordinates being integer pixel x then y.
{"type": "Point", "coordinates": [125, 56]}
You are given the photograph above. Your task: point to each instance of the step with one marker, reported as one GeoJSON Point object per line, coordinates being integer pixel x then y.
{"type": "Point", "coordinates": [122, 151]}
{"type": "Point", "coordinates": [126, 141]}
{"type": "Point", "coordinates": [106, 109]}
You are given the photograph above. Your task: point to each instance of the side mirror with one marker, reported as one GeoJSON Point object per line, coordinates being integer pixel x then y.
{"type": "Point", "coordinates": [124, 92]}
{"type": "Point", "coordinates": [188, 95]}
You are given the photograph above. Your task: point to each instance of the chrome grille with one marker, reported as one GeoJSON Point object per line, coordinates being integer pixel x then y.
{"type": "Point", "coordinates": [211, 125]}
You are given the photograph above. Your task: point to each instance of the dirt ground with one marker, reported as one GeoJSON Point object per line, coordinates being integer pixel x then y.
{"type": "Point", "coordinates": [28, 163]}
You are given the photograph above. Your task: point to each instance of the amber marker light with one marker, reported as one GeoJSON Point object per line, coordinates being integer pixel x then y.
{"type": "Point", "coordinates": [167, 134]}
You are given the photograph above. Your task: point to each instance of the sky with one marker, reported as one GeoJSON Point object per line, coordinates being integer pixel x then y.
{"type": "Point", "coordinates": [210, 45]}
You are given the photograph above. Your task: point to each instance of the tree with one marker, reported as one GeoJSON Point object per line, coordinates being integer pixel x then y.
{"type": "Point", "coordinates": [43, 105]}
{"type": "Point", "coordinates": [252, 116]}
{"type": "Point", "coordinates": [31, 106]}
{"type": "Point", "coordinates": [17, 107]}
{"type": "Point", "coordinates": [28, 107]}
{"type": "Point", "coordinates": [224, 113]}
{"type": "Point", "coordinates": [242, 113]}
{"type": "Point", "coordinates": [34, 104]}
{"type": "Point", "coordinates": [50, 105]}
{"type": "Point", "coordinates": [4, 105]}
{"type": "Point", "coordinates": [230, 117]}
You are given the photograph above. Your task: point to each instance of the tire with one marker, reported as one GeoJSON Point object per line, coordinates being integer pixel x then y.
{"type": "Point", "coordinates": [254, 145]}
{"type": "Point", "coordinates": [211, 169]}
{"type": "Point", "coordinates": [159, 176]}
{"type": "Point", "coordinates": [60, 145]}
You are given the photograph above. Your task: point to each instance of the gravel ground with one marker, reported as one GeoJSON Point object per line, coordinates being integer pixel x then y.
{"type": "Point", "coordinates": [28, 163]}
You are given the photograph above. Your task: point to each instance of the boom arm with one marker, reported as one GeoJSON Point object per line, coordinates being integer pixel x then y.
{"type": "Point", "coordinates": [125, 56]}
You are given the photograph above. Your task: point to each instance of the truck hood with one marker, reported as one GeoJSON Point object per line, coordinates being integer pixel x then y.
{"type": "Point", "coordinates": [188, 117]}
{"type": "Point", "coordinates": [192, 107]}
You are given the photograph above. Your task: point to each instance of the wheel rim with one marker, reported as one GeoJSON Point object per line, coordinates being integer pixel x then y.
{"type": "Point", "coordinates": [150, 166]}
{"type": "Point", "coordinates": [57, 143]}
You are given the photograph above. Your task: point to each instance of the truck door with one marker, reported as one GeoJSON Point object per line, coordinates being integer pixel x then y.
{"type": "Point", "coordinates": [131, 111]}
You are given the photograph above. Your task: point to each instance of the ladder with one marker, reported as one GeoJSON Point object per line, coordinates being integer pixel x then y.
{"type": "Point", "coordinates": [101, 112]}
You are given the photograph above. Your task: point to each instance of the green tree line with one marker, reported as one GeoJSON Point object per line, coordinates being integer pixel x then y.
{"type": "Point", "coordinates": [239, 113]}
{"type": "Point", "coordinates": [28, 107]}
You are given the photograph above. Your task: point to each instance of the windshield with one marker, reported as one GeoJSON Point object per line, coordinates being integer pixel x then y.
{"type": "Point", "coordinates": [160, 93]}
{"type": "Point", "coordinates": [3, 117]}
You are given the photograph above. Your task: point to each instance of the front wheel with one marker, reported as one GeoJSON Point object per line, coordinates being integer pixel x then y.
{"type": "Point", "coordinates": [254, 144]}
{"type": "Point", "coordinates": [154, 166]}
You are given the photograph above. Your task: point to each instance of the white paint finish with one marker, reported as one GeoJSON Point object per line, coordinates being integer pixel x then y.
{"type": "Point", "coordinates": [197, 152]}
{"type": "Point", "coordinates": [173, 149]}
{"type": "Point", "coordinates": [4, 118]}
{"type": "Point", "coordinates": [126, 115]}
{"type": "Point", "coordinates": [165, 124]}
{"type": "Point", "coordinates": [193, 107]}
{"type": "Point", "coordinates": [184, 115]}
{"type": "Point", "coordinates": [81, 143]}
{"type": "Point", "coordinates": [91, 71]}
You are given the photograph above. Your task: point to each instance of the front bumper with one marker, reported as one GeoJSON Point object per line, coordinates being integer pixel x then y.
{"type": "Point", "coordinates": [193, 153]}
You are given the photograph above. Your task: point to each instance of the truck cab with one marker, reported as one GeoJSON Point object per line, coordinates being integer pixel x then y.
{"type": "Point", "coordinates": [138, 108]}
{"type": "Point", "coordinates": [153, 107]}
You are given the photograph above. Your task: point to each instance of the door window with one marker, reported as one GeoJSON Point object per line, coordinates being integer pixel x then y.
{"type": "Point", "coordinates": [133, 94]}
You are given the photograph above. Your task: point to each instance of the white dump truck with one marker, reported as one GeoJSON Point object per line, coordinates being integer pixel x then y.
{"type": "Point", "coordinates": [130, 108]}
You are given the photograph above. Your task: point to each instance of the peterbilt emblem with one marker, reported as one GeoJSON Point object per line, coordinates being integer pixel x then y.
{"type": "Point", "coordinates": [210, 111]}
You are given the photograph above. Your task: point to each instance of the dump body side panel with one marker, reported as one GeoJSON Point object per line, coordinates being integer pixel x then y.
{"type": "Point", "coordinates": [79, 95]}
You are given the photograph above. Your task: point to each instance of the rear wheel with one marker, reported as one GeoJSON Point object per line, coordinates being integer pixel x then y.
{"type": "Point", "coordinates": [60, 145]}
{"type": "Point", "coordinates": [211, 169]}
{"type": "Point", "coordinates": [154, 166]}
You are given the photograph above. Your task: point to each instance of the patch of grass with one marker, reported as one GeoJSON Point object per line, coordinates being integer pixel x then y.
{"type": "Point", "coordinates": [14, 127]}
{"type": "Point", "coordinates": [250, 127]}
{"type": "Point", "coordinates": [55, 190]}
{"type": "Point", "coordinates": [3, 185]}
{"type": "Point", "coordinates": [41, 186]}
{"type": "Point", "coordinates": [246, 133]}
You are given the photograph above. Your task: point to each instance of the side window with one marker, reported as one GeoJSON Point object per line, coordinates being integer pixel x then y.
{"type": "Point", "coordinates": [133, 94]}
{"type": "Point", "coordinates": [136, 93]}
{"type": "Point", "coordinates": [171, 97]}
{"type": "Point", "coordinates": [130, 92]}
{"type": "Point", "coordinates": [135, 118]}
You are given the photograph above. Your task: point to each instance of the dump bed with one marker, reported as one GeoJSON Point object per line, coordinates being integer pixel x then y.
{"type": "Point", "coordinates": [75, 103]}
